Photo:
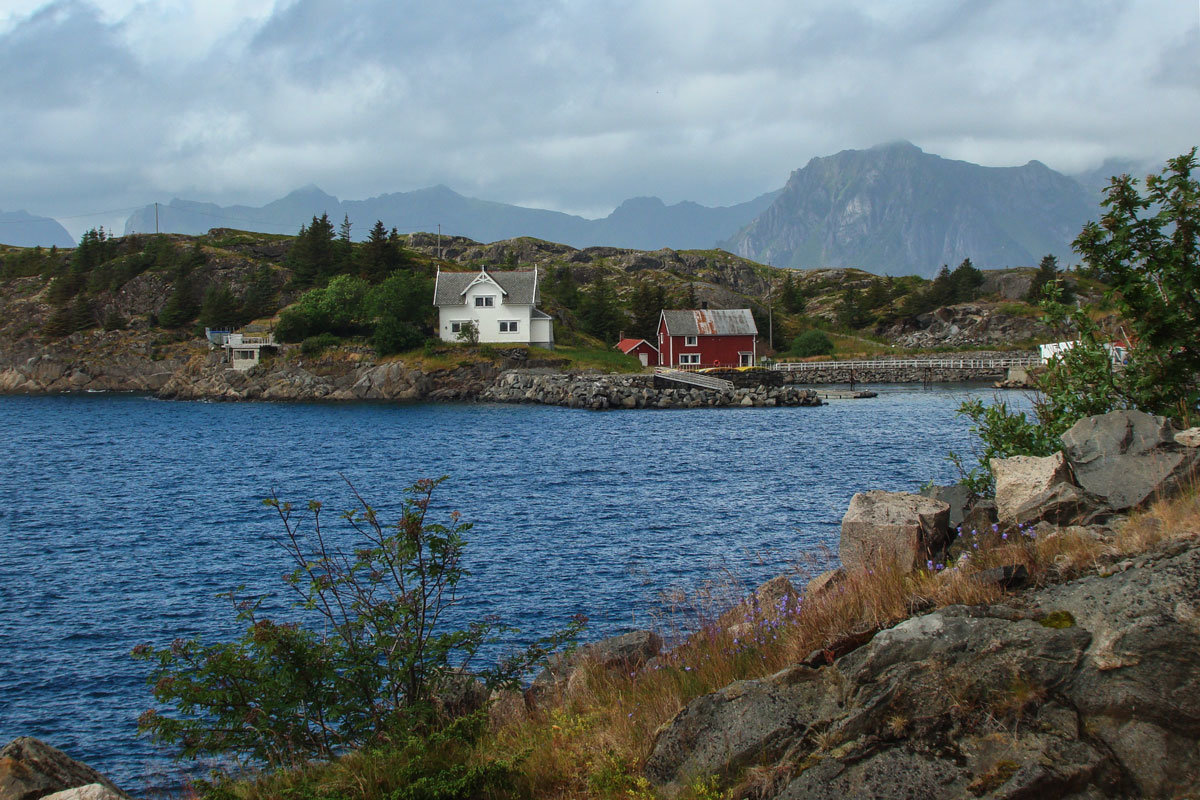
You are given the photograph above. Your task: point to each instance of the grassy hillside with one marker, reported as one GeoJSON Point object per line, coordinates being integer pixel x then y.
{"type": "Point", "coordinates": [228, 278]}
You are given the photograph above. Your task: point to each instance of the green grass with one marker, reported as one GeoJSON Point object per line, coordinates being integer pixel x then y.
{"type": "Point", "coordinates": [584, 357]}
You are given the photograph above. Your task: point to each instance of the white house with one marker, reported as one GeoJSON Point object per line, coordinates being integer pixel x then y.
{"type": "Point", "coordinates": [501, 305]}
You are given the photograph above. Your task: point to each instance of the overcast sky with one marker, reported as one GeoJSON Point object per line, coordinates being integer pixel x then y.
{"type": "Point", "coordinates": [572, 105]}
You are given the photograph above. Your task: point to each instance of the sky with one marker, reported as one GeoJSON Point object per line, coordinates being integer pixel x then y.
{"type": "Point", "coordinates": [573, 105]}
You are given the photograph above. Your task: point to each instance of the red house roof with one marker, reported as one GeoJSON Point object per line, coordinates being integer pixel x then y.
{"type": "Point", "coordinates": [625, 345]}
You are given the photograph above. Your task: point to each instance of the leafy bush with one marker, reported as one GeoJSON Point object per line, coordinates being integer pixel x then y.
{"type": "Point", "coordinates": [812, 342]}
{"type": "Point", "coordinates": [315, 345]}
{"type": "Point", "coordinates": [284, 693]}
{"type": "Point", "coordinates": [394, 335]}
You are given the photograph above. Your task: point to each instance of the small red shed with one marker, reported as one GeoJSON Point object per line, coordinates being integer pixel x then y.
{"type": "Point", "coordinates": [708, 338]}
{"type": "Point", "coordinates": [641, 349]}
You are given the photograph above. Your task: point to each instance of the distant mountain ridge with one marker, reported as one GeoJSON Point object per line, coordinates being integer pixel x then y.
{"type": "Point", "coordinates": [22, 229]}
{"type": "Point", "coordinates": [895, 209]}
{"type": "Point", "coordinates": [644, 223]}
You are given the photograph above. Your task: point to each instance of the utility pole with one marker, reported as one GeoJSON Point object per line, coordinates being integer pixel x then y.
{"type": "Point", "coordinates": [770, 316]}
{"type": "Point", "coordinates": [156, 218]}
{"type": "Point", "coordinates": [439, 241]}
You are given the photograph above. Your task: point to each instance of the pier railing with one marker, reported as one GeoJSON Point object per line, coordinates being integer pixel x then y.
{"type": "Point", "coordinates": [910, 363]}
{"type": "Point", "coordinates": [694, 379]}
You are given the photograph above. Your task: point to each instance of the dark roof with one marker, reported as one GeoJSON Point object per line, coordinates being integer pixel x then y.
{"type": "Point", "coordinates": [711, 322]}
{"type": "Point", "coordinates": [520, 286]}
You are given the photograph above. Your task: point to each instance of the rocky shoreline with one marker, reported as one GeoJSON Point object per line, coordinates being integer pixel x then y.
{"type": "Point", "coordinates": [107, 362]}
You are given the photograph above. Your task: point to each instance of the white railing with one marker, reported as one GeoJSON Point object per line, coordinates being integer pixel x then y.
{"type": "Point", "coordinates": [694, 379]}
{"type": "Point", "coordinates": [910, 363]}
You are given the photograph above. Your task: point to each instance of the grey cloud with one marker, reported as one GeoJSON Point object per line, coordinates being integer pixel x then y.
{"type": "Point", "coordinates": [579, 105]}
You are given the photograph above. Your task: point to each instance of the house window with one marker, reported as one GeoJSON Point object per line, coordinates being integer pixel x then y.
{"type": "Point", "coordinates": [457, 327]}
{"type": "Point", "coordinates": [689, 358]}
{"type": "Point", "coordinates": [508, 326]}
{"type": "Point", "coordinates": [690, 341]}
{"type": "Point", "coordinates": [485, 301]}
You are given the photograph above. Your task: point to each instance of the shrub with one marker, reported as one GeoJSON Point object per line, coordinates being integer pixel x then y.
{"type": "Point", "coordinates": [284, 693]}
{"type": "Point", "coordinates": [315, 345]}
{"type": "Point", "coordinates": [812, 342]}
{"type": "Point", "coordinates": [394, 335]}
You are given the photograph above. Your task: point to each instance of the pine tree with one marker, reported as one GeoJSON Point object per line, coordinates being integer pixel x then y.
{"type": "Point", "coordinates": [966, 281]}
{"type": "Point", "coordinates": [220, 308]}
{"type": "Point", "coordinates": [379, 255]}
{"type": "Point", "coordinates": [600, 313]}
{"type": "Point", "coordinates": [645, 307]}
{"type": "Point", "coordinates": [1047, 273]}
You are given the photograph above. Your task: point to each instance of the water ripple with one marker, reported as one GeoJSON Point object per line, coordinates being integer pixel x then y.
{"type": "Point", "coordinates": [123, 517]}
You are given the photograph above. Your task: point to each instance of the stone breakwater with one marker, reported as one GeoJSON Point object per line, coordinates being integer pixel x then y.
{"type": "Point", "coordinates": [599, 392]}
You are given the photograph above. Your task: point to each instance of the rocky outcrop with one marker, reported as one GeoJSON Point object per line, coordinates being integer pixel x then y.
{"type": "Point", "coordinates": [1125, 458]}
{"type": "Point", "coordinates": [892, 527]}
{"type": "Point", "coordinates": [966, 325]}
{"type": "Point", "coordinates": [31, 769]}
{"type": "Point", "coordinates": [1085, 689]}
{"type": "Point", "coordinates": [600, 392]}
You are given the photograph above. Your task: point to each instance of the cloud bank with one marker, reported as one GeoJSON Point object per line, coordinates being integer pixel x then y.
{"type": "Point", "coordinates": [573, 105]}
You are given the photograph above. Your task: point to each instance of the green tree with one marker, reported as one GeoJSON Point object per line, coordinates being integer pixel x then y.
{"type": "Point", "coordinates": [220, 308]}
{"type": "Point", "coordinates": [645, 308]}
{"type": "Point", "coordinates": [812, 342]}
{"type": "Point", "coordinates": [366, 675]}
{"type": "Point", "coordinates": [260, 297]}
{"type": "Point", "coordinates": [601, 315]}
{"type": "Point", "coordinates": [1147, 245]}
{"type": "Point", "coordinates": [312, 256]}
{"type": "Point", "coordinates": [380, 254]}
{"type": "Point", "coordinates": [1047, 273]}
{"type": "Point", "coordinates": [966, 280]}
{"type": "Point", "coordinates": [850, 311]}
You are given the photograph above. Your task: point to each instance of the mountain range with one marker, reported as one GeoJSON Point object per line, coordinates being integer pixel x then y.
{"type": "Point", "coordinates": [891, 209]}
{"type": "Point", "coordinates": [643, 223]}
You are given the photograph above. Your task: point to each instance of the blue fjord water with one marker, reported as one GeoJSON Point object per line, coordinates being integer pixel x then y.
{"type": "Point", "coordinates": [123, 517]}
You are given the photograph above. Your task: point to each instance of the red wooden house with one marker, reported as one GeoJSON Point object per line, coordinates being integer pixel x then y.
{"type": "Point", "coordinates": [707, 338]}
{"type": "Point", "coordinates": [641, 350]}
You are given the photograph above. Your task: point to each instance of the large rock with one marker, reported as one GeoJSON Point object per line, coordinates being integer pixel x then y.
{"type": "Point", "coordinates": [1126, 458]}
{"type": "Point", "coordinates": [957, 496]}
{"type": "Point", "coordinates": [884, 527]}
{"type": "Point", "coordinates": [626, 652]}
{"type": "Point", "coordinates": [747, 722]}
{"type": "Point", "coordinates": [1021, 480]}
{"type": "Point", "coordinates": [31, 769]}
{"type": "Point", "coordinates": [1086, 689]}
{"type": "Point", "coordinates": [93, 791]}
{"type": "Point", "coordinates": [1137, 689]}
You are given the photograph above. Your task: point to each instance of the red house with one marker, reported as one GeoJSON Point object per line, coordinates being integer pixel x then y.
{"type": "Point", "coordinates": [707, 338]}
{"type": "Point", "coordinates": [640, 349]}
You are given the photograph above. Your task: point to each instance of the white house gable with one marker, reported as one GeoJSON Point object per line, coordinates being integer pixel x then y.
{"type": "Point", "coordinates": [501, 306]}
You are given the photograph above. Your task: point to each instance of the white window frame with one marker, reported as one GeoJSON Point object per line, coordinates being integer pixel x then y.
{"type": "Point", "coordinates": [691, 341]}
{"type": "Point", "coordinates": [456, 326]}
{"type": "Point", "coordinates": [689, 359]}
{"type": "Point", "coordinates": [485, 301]}
{"type": "Point", "coordinates": [745, 358]}
{"type": "Point", "coordinates": [509, 325]}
